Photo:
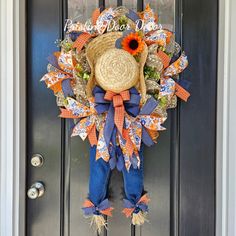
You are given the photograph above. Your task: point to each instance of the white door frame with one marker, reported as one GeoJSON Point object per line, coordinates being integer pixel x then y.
{"type": "Point", "coordinates": [13, 119]}
{"type": "Point", "coordinates": [226, 117]}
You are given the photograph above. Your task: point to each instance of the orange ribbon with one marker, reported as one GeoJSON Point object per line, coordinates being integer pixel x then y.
{"type": "Point", "coordinates": [81, 41]}
{"type": "Point", "coordinates": [96, 13]}
{"type": "Point", "coordinates": [67, 114]}
{"type": "Point", "coordinates": [92, 136]}
{"type": "Point", "coordinates": [164, 58]}
{"type": "Point", "coordinates": [118, 104]}
{"type": "Point", "coordinates": [181, 92]}
{"type": "Point", "coordinates": [128, 144]}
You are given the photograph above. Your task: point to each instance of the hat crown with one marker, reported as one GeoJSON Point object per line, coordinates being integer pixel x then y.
{"type": "Point", "coordinates": [116, 70]}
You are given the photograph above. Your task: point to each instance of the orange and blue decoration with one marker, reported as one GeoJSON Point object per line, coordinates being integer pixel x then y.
{"type": "Point", "coordinates": [118, 125]}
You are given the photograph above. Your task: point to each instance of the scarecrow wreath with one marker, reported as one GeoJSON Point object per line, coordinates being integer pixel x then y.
{"type": "Point", "coordinates": [115, 77]}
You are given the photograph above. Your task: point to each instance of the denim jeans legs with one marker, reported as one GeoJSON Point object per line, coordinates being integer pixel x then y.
{"type": "Point", "coordinates": [99, 180]}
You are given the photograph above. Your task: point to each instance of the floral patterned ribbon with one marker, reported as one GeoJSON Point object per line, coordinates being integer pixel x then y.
{"type": "Point", "coordinates": [169, 86]}
{"type": "Point", "coordinates": [87, 116]}
{"type": "Point", "coordinates": [134, 130]}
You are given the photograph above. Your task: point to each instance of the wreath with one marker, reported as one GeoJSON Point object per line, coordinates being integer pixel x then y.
{"type": "Point", "coordinates": [115, 76]}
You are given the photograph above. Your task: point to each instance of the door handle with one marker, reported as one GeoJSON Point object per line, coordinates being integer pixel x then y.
{"type": "Point", "coordinates": [36, 190]}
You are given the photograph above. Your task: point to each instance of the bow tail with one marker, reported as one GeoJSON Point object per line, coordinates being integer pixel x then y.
{"type": "Point", "coordinates": [137, 161]}
{"type": "Point", "coordinates": [150, 126]}
{"type": "Point", "coordinates": [126, 156]}
{"type": "Point", "coordinates": [109, 125]}
{"type": "Point", "coordinates": [103, 208]}
{"type": "Point", "coordinates": [108, 211]}
{"type": "Point", "coordinates": [119, 118]}
{"type": "Point", "coordinates": [145, 199]}
{"type": "Point", "coordinates": [128, 143]}
{"type": "Point", "coordinates": [88, 207]}
{"type": "Point", "coordinates": [129, 207]}
{"type": "Point", "coordinates": [152, 122]}
{"type": "Point", "coordinates": [102, 149]}
{"type": "Point", "coordinates": [135, 132]}
{"type": "Point", "coordinates": [128, 211]}
{"type": "Point", "coordinates": [67, 114]}
{"type": "Point", "coordinates": [83, 128]}
{"type": "Point", "coordinates": [92, 136]}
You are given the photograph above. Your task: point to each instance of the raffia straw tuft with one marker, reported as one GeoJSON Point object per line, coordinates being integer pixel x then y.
{"type": "Point", "coordinates": [98, 222]}
{"type": "Point", "coordinates": [140, 218]}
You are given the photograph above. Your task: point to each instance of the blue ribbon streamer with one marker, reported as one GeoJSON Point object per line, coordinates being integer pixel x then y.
{"type": "Point", "coordinates": [66, 88]}
{"type": "Point", "coordinates": [53, 61]}
{"type": "Point", "coordinates": [132, 15]}
{"type": "Point", "coordinates": [74, 35]}
{"type": "Point", "coordinates": [147, 109]}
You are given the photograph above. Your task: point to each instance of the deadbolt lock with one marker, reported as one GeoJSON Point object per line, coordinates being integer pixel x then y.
{"type": "Point", "coordinates": [37, 160]}
{"type": "Point", "coordinates": [36, 190]}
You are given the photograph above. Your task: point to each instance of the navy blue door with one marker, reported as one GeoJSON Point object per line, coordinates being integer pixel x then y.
{"type": "Point", "coordinates": [179, 170]}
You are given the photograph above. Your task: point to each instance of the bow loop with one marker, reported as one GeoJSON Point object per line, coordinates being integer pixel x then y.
{"type": "Point", "coordinates": [118, 101]}
{"type": "Point", "coordinates": [103, 208]}
{"type": "Point", "coordinates": [130, 208]}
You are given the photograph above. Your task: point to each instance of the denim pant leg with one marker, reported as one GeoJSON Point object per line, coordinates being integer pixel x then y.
{"type": "Point", "coordinates": [133, 182]}
{"type": "Point", "coordinates": [99, 178]}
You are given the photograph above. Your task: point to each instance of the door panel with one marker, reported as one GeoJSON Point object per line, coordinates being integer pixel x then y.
{"type": "Point", "coordinates": [43, 126]}
{"type": "Point", "coordinates": [79, 150]}
{"type": "Point", "coordinates": [179, 170]}
{"type": "Point", "coordinates": [198, 120]}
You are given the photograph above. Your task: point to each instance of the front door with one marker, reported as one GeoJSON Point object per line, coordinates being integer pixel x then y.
{"type": "Point", "coordinates": [179, 170]}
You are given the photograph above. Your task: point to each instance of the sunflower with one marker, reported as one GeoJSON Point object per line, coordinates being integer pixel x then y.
{"type": "Point", "coordinates": [133, 43]}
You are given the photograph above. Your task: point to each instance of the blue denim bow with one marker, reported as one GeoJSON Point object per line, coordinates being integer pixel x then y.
{"type": "Point", "coordinates": [102, 105]}
{"type": "Point", "coordinates": [96, 210]}
{"type": "Point", "coordinates": [137, 207]}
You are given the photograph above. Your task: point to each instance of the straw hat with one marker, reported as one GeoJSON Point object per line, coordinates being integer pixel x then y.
{"type": "Point", "coordinates": [114, 69]}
